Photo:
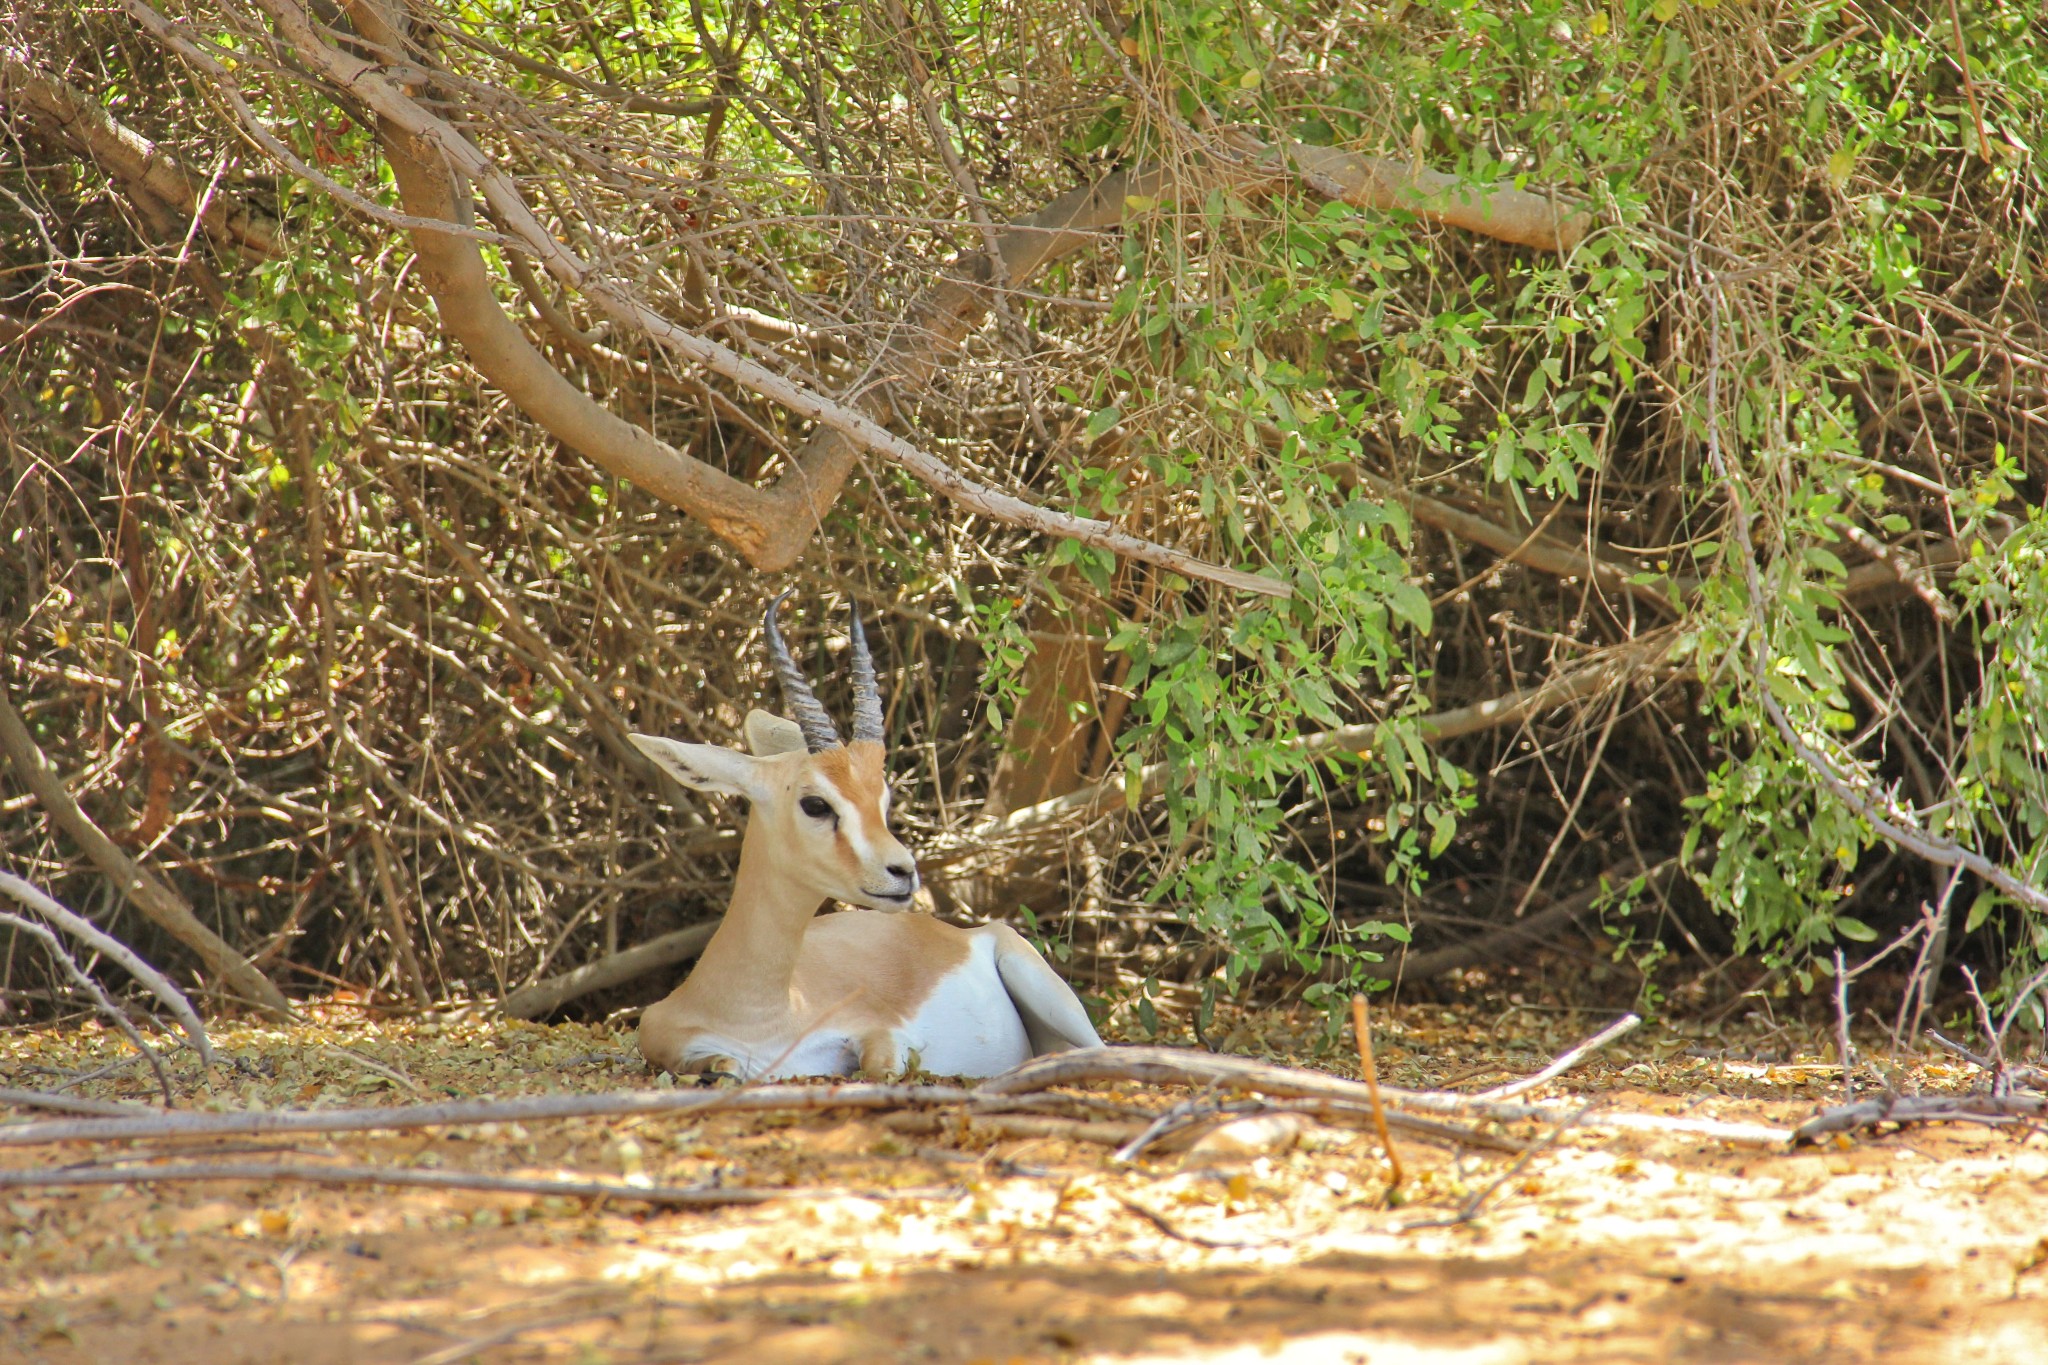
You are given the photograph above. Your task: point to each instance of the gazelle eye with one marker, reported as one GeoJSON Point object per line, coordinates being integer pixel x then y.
{"type": "Point", "coordinates": [817, 807]}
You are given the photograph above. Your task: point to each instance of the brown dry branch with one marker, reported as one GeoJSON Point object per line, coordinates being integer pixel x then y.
{"type": "Point", "coordinates": [927, 1123]}
{"type": "Point", "coordinates": [430, 158]}
{"type": "Point", "coordinates": [1904, 1109]}
{"type": "Point", "coordinates": [668, 1196]}
{"type": "Point", "coordinates": [672, 949]}
{"type": "Point", "coordinates": [1565, 1060]}
{"type": "Point", "coordinates": [129, 960]}
{"type": "Point", "coordinates": [103, 1002]}
{"type": "Point", "coordinates": [1503, 212]}
{"type": "Point", "coordinates": [523, 1109]}
{"type": "Point", "coordinates": [1361, 1029]}
{"type": "Point", "coordinates": [1609, 669]}
{"type": "Point", "coordinates": [153, 175]}
{"type": "Point", "coordinates": [1158, 1065]}
{"type": "Point", "coordinates": [142, 889]}
{"type": "Point", "coordinates": [67, 1104]}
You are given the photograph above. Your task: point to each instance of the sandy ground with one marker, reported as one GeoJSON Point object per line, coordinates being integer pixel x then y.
{"type": "Point", "coordinates": [1929, 1245]}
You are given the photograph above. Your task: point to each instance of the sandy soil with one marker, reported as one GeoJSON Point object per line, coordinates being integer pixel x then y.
{"type": "Point", "coordinates": [1930, 1245]}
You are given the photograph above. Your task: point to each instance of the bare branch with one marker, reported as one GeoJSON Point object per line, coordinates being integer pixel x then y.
{"type": "Point", "coordinates": [451, 1113]}
{"type": "Point", "coordinates": [1610, 669]}
{"type": "Point", "coordinates": [67, 1104]}
{"type": "Point", "coordinates": [672, 1196]}
{"type": "Point", "coordinates": [158, 903]}
{"type": "Point", "coordinates": [430, 158]}
{"type": "Point", "coordinates": [101, 1000]}
{"type": "Point", "coordinates": [129, 157]}
{"type": "Point", "coordinates": [543, 998]}
{"type": "Point", "coordinates": [86, 931]}
{"type": "Point", "coordinates": [1565, 1061]}
{"type": "Point", "coordinates": [1499, 211]}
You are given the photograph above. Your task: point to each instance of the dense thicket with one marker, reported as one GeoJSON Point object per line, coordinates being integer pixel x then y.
{"type": "Point", "coordinates": [330, 590]}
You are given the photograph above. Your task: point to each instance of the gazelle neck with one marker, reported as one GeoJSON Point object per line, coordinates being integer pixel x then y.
{"type": "Point", "coordinates": [752, 958]}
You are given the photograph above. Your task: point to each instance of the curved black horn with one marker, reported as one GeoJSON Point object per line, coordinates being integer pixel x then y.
{"type": "Point", "coordinates": [867, 698]}
{"type": "Point", "coordinates": [809, 716]}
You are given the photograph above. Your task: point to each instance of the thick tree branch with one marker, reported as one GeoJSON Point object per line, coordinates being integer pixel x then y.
{"type": "Point", "coordinates": [431, 161]}
{"type": "Point", "coordinates": [146, 172]}
{"type": "Point", "coordinates": [1498, 211]}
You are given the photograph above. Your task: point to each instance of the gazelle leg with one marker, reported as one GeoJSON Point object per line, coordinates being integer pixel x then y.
{"type": "Point", "coordinates": [879, 1055]}
{"type": "Point", "coordinates": [719, 1071]}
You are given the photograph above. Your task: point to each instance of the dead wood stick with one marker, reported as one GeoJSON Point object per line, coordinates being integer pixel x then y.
{"type": "Point", "coordinates": [1361, 1027]}
{"type": "Point", "coordinates": [157, 902]}
{"type": "Point", "coordinates": [703, 1197]}
{"type": "Point", "coordinates": [83, 929]}
{"type": "Point", "coordinates": [103, 1002]}
{"type": "Point", "coordinates": [1189, 1067]}
{"type": "Point", "coordinates": [928, 1123]}
{"type": "Point", "coordinates": [544, 997]}
{"type": "Point", "coordinates": [67, 1104]}
{"type": "Point", "coordinates": [1565, 1061]}
{"type": "Point", "coordinates": [2023, 1075]}
{"type": "Point", "coordinates": [449, 1113]}
{"type": "Point", "coordinates": [1902, 1109]}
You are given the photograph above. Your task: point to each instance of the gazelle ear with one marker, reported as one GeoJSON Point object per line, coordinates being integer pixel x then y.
{"type": "Point", "coordinates": [769, 735]}
{"type": "Point", "coordinates": [704, 767]}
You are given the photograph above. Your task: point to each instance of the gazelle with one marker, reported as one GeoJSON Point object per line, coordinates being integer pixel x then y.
{"type": "Point", "coordinates": [778, 992]}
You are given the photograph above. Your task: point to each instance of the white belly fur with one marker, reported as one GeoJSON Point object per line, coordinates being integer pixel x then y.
{"type": "Point", "coordinates": [967, 1026]}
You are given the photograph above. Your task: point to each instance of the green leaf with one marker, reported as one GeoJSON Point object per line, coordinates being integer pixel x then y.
{"type": "Point", "coordinates": [1411, 604]}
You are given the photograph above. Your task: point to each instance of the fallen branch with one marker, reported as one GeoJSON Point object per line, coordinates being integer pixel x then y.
{"type": "Point", "coordinates": [684, 1196]}
{"type": "Point", "coordinates": [523, 1109]}
{"type": "Point", "coordinates": [1904, 1109]}
{"type": "Point", "coordinates": [1101, 1132]}
{"type": "Point", "coordinates": [158, 903]}
{"type": "Point", "coordinates": [1470, 1210]}
{"type": "Point", "coordinates": [544, 997]}
{"type": "Point", "coordinates": [1565, 1061]}
{"type": "Point", "coordinates": [1160, 1065]}
{"type": "Point", "coordinates": [67, 1104]}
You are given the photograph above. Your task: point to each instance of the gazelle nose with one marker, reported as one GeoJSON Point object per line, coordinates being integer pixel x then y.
{"type": "Point", "coordinates": [902, 872]}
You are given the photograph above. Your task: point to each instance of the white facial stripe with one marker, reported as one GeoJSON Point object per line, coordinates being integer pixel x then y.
{"type": "Point", "coordinates": [853, 828]}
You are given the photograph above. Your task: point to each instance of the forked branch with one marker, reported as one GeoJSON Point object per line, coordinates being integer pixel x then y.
{"type": "Point", "coordinates": [433, 163]}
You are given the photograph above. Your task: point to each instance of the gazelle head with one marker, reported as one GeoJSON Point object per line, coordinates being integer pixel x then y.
{"type": "Point", "coordinates": [822, 806]}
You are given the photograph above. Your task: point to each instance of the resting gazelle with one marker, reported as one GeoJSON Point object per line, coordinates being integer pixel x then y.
{"type": "Point", "coordinates": [781, 992]}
